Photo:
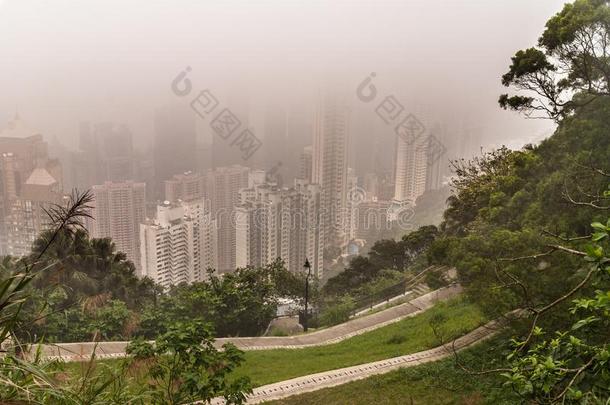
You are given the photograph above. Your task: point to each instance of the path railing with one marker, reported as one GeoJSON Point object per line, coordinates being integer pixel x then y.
{"type": "Point", "coordinates": [397, 290]}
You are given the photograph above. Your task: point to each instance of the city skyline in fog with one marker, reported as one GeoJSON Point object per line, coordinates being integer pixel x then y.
{"type": "Point", "coordinates": [114, 61]}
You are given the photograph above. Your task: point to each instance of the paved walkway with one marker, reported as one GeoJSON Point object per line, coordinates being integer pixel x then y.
{"type": "Point", "coordinates": [313, 382]}
{"type": "Point", "coordinates": [83, 350]}
{"type": "Point", "coordinates": [418, 290]}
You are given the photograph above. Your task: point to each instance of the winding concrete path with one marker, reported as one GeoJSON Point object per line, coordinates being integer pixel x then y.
{"type": "Point", "coordinates": [83, 351]}
{"type": "Point", "coordinates": [314, 382]}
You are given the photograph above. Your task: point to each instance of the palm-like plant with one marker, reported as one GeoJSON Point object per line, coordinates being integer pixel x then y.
{"type": "Point", "coordinates": [16, 276]}
{"type": "Point", "coordinates": [63, 261]}
{"type": "Point", "coordinates": [19, 377]}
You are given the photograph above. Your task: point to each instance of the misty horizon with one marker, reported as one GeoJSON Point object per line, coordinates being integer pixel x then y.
{"type": "Point", "coordinates": [114, 62]}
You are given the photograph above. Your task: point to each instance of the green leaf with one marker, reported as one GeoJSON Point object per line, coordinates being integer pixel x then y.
{"type": "Point", "coordinates": [594, 252]}
{"type": "Point", "coordinates": [599, 226]}
{"type": "Point", "coordinates": [584, 322]}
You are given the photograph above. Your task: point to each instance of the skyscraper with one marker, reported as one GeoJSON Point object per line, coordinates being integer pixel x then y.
{"type": "Point", "coordinates": [186, 186]}
{"type": "Point", "coordinates": [118, 210]}
{"type": "Point", "coordinates": [329, 169]}
{"type": "Point", "coordinates": [107, 153]}
{"type": "Point", "coordinates": [222, 193]}
{"type": "Point", "coordinates": [273, 222]}
{"type": "Point", "coordinates": [204, 157]}
{"type": "Point", "coordinates": [8, 196]}
{"type": "Point", "coordinates": [258, 226]}
{"type": "Point", "coordinates": [178, 245]}
{"type": "Point", "coordinates": [434, 172]}
{"type": "Point", "coordinates": [437, 162]}
{"type": "Point", "coordinates": [27, 217]}
{"type": "Point", "coordinates": [223, 153]}
{"type": "Point", "coordinates": [355, 196]}
{"type": "Point", "coordinates": [27, 147]}
{"type": "Point", "coordinates": [29, 182]}
{"type": "Point", "coordinates": [305, 164]}
{"type": "Point", "coordinates": [410, 170]}
{"type": "Point", "coordinates": [275, 134]}
{"type": "Point", "coordinates": [175, 148]}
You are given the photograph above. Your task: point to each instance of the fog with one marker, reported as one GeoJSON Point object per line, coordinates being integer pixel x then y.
{"type": "Point", "coordinates": [63, 62]}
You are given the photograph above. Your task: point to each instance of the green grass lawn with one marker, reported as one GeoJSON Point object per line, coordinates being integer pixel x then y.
{"type": "Point", "coordinates": [410, 335]}
{"type": "Point", "coordinates": [437, 383]}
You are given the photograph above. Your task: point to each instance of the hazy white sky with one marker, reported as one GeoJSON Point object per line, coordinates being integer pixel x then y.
{"type": "Point", "coordinates": [66, 61]}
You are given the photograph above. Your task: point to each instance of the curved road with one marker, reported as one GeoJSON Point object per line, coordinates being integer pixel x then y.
{"type": "Point", "coordinates": [82, 351]}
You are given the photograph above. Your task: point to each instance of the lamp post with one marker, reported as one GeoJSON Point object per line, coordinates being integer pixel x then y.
{"type": "Point", "coordinates": [307, 266]}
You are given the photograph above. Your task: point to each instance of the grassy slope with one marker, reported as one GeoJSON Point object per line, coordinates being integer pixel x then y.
{"type": "Point", "coordinates": [435, 383]}
{"type": "Point", "coordinates": [404, 337]}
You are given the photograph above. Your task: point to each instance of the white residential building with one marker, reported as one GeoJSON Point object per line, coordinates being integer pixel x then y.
{"type": "Point", "coordinates": [222, 192]}
{"type": "Point", "coordinates": [178, 246]}
{"type": "Point", "coordinates": [410, 170]}
{"type": "Point", "coordinates": [273, 222]}
{"type": "Point", "coordinates": [329, 165]}
{"type": "Point", "coordinates": [306, 163]}
{"type": "Point", "coordinates": [355, 195]}
{"type": "Point", "coordinates": [186, 187]}
{"type": "Point", "coordinates": [118, 210]}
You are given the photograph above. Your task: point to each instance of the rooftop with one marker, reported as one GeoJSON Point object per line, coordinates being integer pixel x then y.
{"type": "Point", "coordinates": [40, 177]}
{"type": "Point", "coordinates": [16, 128]}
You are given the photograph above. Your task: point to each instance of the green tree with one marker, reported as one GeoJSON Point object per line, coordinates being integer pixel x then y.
{"type": "Point", "coordinates": [183, 366]}
{"type": "Point", "coordinates": [387, 254]}
{"type": "Point", "coordinates": [572, 365]}
{"type": "Point", "coordinates": [569, 68]}
{"type": "Point", "coordinates": [241, 303]}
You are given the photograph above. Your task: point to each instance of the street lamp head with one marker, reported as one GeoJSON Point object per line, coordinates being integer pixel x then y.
{"type": "Point", "coordinates": [307, 265]}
